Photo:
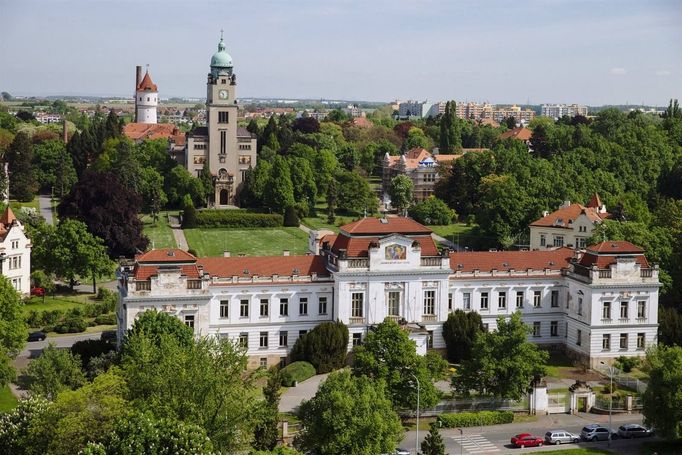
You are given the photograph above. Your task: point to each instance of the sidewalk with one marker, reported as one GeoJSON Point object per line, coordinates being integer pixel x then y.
{"type": "Point", "coordinates": [178, 233]}
{"type": "Point", "coordinates": [293, 396]}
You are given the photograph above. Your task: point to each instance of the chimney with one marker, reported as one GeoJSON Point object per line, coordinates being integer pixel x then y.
{"type": "Point", "coordinates": [65, 132]}
{"type": "Point", "coordinates": [226, 254]}
{"type": "Point", "coordinates": [138, 79]}
{"type": "Point", "coordinates": [285, 253]}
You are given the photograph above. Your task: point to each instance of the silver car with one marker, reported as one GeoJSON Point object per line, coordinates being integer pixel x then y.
{"type": "Point", "coordinates": [594, 432]}
{"type": "Point", "coordinates": [561, 437]}
{"type": "Point", "coordinates": [633, 430]}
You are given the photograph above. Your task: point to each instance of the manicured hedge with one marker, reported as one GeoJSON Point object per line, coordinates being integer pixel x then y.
{"type": "Point", "coordinates": [237, 219]}
{"type": "Point", "coordinates": [296, 371]}
{"type": "Point", "coordinates": [71, 325]}
{"type": "Point", "coordinates": [474, 419]}
{"type": "Point", "coordinates": [106, 319]}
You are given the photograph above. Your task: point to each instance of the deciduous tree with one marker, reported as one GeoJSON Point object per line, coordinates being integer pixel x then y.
{"type": "Point", "coordinates": [13, 331]}
{"type": "Point", "coordinates": [432, 211]}
{"type": "Point", "coordinates": [663, 396]}
{"type": "Point", "coordinates": [19, 156]}
{"type": "Point", "coordinates": [401, 192]}
{"type": "Point", "coordinates": [54, 371]}
{"type": "Point", "coordinates": [460, 332]}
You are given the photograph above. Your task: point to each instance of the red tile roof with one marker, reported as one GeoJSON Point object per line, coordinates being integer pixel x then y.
{"type": "Point", "coordinates": [560, 218]}
{"type": "Point", "coordinates": [8, 217]}
{"type": "Point", "coordinates": [140, 131]}
{"type": "Point", "coordinates": [615, 247]}
{"type": "Point", "coordinates": [521, 133]}
{"type": "Point", "coordinates": [248, 266]}
{"type": "Point", "coordinates": [147, 84]}
{"type": "Point", "coordinates": [162, 255]}
{"type": "Point", "coordinates": [358, 246]}
{"type": "Point", "coordinates": [595, 201]}
{"type": "Point", "coordinates": [362, 122]}
{"type": "Point", "coordinates": [143, 272]}
{"type": "Point", "coordinates": [383, 226]}
{"type": "Point", "coordinates": [485, 261]}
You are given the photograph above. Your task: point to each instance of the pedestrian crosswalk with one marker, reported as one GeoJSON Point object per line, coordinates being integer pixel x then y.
{"type": "Point", "coordinates": [475, 444]}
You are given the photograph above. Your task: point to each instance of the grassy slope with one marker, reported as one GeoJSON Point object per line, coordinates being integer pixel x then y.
{"type": "Point", "coordinates": [55, 303]}
{"type": "Point", "coordinates": [449, 230]}
{"type": "Point", "coordinates": [7, 400]}
{"type": "Point", "coordinates": [160, 234]}
{"type": "Point", "coordinates": [252, 242]}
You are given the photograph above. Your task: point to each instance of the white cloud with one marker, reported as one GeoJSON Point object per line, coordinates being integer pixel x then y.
{"type": "Point", "coordinates": [618, 71]}
{"type": "Point", "coordinates": [662, 73]}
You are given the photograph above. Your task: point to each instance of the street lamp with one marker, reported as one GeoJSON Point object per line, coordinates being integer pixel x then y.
{"type": "Point", "coordinates": [610, 400]}
{"type": "Point", "coordinates": [461, 441]}
{"type": "Point", "coordinates": [416, 442]}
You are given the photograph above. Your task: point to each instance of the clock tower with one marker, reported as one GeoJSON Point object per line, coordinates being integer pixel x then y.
{"type": "Point", "coordinates": [229, 150]}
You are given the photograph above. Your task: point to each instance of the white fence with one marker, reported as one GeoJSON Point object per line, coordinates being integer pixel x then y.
{"type": "Point", "coordinates": [623, 379]}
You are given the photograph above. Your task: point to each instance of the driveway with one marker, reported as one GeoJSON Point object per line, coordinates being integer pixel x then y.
{"type": "Point", "coordinates": [293, 396]}
{"type": "Point", "coordinates": [45, 205]}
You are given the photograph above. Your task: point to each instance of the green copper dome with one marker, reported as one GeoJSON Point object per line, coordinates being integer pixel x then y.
{"type": "Point", "coordinates": [221, 59]}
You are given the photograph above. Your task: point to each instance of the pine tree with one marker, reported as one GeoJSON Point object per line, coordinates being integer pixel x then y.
{"type": "Point", "coordinates": [207, 182]}
{"type": "Point", "coordinates": [253, 127]}
{"type": "Point", "coordinates": [22, 184]}
{"type": "Point", "coordinates": [332, 195]}
{"type": "Point", "coordinates": [433, 443]}
{"type": "Point", "coordinates": [112, 128]}
{"type": "Point", "coordinates": [454, 129]}
{"type": "Point", "coordinates": [444, 146]}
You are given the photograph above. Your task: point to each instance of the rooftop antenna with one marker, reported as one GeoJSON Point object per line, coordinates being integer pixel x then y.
{"type": "Point", "coordinates": [221, 33]}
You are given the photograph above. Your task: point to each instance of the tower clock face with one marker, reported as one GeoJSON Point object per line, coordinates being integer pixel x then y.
{"type": "Point", "coordinates": [222, 94]}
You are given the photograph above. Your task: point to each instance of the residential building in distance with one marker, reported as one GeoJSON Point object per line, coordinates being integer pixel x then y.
{"type": "Point", "coordinates": [46, 118]}
{"type": "Point", "coordinates": [15, 253]}
{"type": "Point", "coordinates": [228, 149]}
{"type": "Point", "coordinates": [522, 116]}
{"type": "Point", "coordinates": [569, 226]}
{"type": "Point", "coordinates": [597, 305]}
{"type": "Point", "coordinates": [556, 111]}
{"type": "Point", "coordinates": [411, 109]}
{"type": "Point", "coordinates": [520, 133]}
{"type": "Point", "coordinates": [421, 166]}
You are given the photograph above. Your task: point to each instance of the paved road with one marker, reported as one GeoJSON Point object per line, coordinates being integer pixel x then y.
{"type": "Point", "coordinates": [293, 396]}
{"type": "Point", "coordinates": [45, 208]}
{"type": "Point", "coordinates": [178, 233]}
{"type": "Point", "coordinates": [495, 439]}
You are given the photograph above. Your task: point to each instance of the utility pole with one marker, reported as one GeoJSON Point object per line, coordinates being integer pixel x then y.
{"type": "Point", "coordinates": [416, 442]}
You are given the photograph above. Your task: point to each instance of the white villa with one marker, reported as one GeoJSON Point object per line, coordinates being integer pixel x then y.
{"type": "Point", "coordinates": [598, 304]}
{"type": "Point", "coordinates": [15, 253]}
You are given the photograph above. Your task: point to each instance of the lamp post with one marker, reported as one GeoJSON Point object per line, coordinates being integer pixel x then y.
{"type": "Point", "coordinates": [610, 401]}
{"type": "Point", "coordinates": [416, 442]}
{"type": "Point", "coordinates": [461, 441]}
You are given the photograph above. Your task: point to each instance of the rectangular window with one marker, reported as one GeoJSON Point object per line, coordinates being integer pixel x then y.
{"type": "Point", "coordinates": [536, 328]}
{"type": "Point", "coordinates": [223, 117]}
{"type": "Point", "coordinates": [223, 142]}
{"type": "Point", "coordinates": [301, 333]}
{"type": "Point", "coordinates": [579, 337]}
{"type": "Point", "coordinates": [537, 299]}
{"type": "Point", "coordinates": [606, 342]}
{"type": "Point", "coordinates": [244, 308]}
{"type": "Point", "coordinates": [284, 338]}
{"type": "Point", "coordinates": [623, 310]}
{"type": "Point", "coordinates": [264, 339]}
{"type": "Point", "coordinates": [303, 306]}
{"type": "Point", "coordinates": [394, 303]}
{"type": "Point", "coordinates": [429, 302]}
{"type": "Point", "coordinates": [623, 340]}
{"type": "Point", "coordinates": [484, 300]}
{"type": "Point", "coordinates": [555, 299]}
{"type": "Point", "coordinates": [580, 306]}
{"type": "Point", "coordinates": [580, 242]}
{"type": "Point", "coordinates": [189, 321]}
{"type": "Point", "coordinates": [606, 311]}
{"type": "Point", "coordinates": [357, 339]}
{"type": "Point", "coordinates": [543, 240]}
{"type": "Point", "coordinates": [356, 301]}
{"type": "Point", "coordinates": [641, 309]}
{"type": "Point", "coordinates": [224, 309]}
{"type": "Point", "coordinates": [519, 299]}
{"type": "Point", "coordinates": [322, 305]}
{"type": "Point", "coordinates": [449, 302]}
{"type": "Point", "coordinates": [641, 343]}
{"type": "Point", "coordinates": [554, 328]}
{"type": "Point", "coordinates": [264, 307]}
{"type": "Point", "coordinates": [466, 297]}
{"type": "Point", "coordinates": [244, 340]}
{"type": "Point", "coordinates": [263, 362]}
{"type": "Point", "coordinates": [284, 307]}
{"type": "Point", "coordinates": [502, 300]}
{"type": "Point", "coordinates": [429, 340]}
{"type": "Point", "coordinates": [558, 241]}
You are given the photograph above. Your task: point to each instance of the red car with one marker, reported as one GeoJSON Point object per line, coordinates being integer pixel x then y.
{"type": "Point", "coordinates": [38, 292]}
{"type": "Point", "coordinates": [527, 440]}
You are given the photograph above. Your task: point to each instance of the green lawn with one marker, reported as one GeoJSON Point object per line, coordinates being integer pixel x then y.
{"type": "Point", "coordinates": [252, 242]}
{"type": "Point", "coordinates": [7, 399]}
{"type": "Point", "coordinates": [449, 230]}
{"type": "Point", "coordinates": [16, 205]}
{"type": "Point", "coordinates": [320, 221]}
{"type": "Point", "coordinates": [56, 302]}
{"type": "Point", "coordinates": [160, 234]}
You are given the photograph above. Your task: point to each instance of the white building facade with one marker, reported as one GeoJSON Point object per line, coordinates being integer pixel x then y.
{"type": "Point", "coordinates": [598, 305]}
{"type": "Point", "coordinates": [146, 100]}
{"type": "Point", "coordinates": [556, 111]}
{"type": "Point", "coordinates": [15, 253]}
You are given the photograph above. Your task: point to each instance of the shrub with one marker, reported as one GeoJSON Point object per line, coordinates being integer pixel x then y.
{"type": "Point", "coordinates": [192, 251]}
{"type": "Point", "coordinates": [474, 419]}
{"type": "Point", "coordinates": [627, 363]}
{"type": "Point", "coordinates": [296, 372]}
{"type": "Point", "coordinates": [34, 318]}
{"type": "Point", "coordinates": [291, 217]}
{"type": "Point", "coordinates": [51, 317]}
{"type": "Point", "coordinates": [189, 217]}
{"type": "Point", "coordinates": [89, 349]}
{"type": "Point", "coordinates": [237, 219]}
{"type": "Point", "coordinates": [106, 319]}
{"type": "Point", "coordinates": [71, 325]}
{"type": "Point", "coordinates": [437, 365]}
{"type": "Point", "coordinates": [103, 293]}
{"type": "Point", "coordinates": [325, 347]}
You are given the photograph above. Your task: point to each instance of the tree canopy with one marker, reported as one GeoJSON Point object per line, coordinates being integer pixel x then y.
{"type": "Point", "coordinates": [663, 397]}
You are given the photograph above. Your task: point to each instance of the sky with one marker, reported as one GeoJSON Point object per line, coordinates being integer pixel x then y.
{"type": "Point", "coordinates": [590, 52]}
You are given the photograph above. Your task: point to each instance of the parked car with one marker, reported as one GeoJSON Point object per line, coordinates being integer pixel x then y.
{"type": "Point", "coordinates": [401, 452]}
{"type": "Point", "coordinates": [595, 432]}
{"type": "Point", "coordinates": [38, 292]}
{"type": "Point", "coordinates": [36, 336]}
{"type": "Point", "coordinates": [108, 335]}
{"type": "Point", "coordinates": [561, 437]}
{"type": "Point", "coordinates": [632, 430]}
{"type": "Point", "coordinates": [527, 440]}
